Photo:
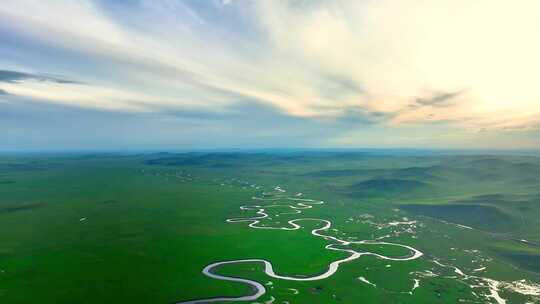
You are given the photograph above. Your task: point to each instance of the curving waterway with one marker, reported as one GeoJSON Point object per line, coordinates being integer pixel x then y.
{"type": "Point", "coordinates": [298, 204]}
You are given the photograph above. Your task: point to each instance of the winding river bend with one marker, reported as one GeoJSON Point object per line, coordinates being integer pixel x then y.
{"type": "Point", "coordinates": [297, 205]}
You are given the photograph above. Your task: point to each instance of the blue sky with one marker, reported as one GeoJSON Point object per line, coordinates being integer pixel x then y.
{"type": "Point", "coordinates": [144, 74]}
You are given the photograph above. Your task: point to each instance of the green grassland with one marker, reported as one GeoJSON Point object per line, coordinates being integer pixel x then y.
{"type": "Point", "coordinates": [118, 228]}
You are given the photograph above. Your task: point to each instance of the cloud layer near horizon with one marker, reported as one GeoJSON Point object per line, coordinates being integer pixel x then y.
{"type": "Point", "coordinates": [449, 71]}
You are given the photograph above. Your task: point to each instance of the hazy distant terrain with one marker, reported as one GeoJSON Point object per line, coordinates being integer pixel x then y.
{"type": "Point", "coordinates": [140, 228]}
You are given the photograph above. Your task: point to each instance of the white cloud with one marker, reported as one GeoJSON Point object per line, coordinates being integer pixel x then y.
{"type": "Point", "coordinates": [399, 51]}
{"type": "Point", "coordinates": [312, 59]}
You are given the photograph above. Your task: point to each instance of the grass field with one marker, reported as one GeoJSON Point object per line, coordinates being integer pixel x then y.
{"type": "Point", "coordinates": [118, 228]}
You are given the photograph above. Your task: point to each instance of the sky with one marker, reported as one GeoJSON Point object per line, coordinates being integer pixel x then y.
{"type": "Point", "coordinates": [211, 74]}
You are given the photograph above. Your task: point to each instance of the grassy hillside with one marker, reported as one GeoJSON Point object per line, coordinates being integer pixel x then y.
{"type": "Point", "coordinates": [112, 228]}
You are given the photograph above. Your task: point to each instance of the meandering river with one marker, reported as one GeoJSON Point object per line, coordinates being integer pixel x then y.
{"type": "Point", "coordinates": [296, 206]}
